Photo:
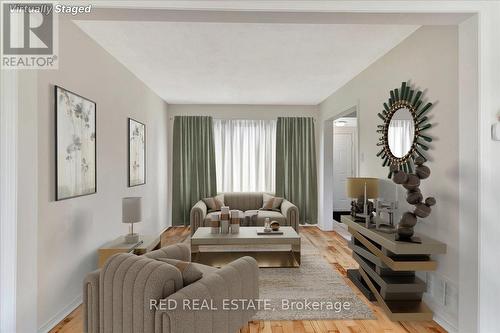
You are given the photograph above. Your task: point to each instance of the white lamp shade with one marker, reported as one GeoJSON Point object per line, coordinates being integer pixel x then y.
{"type": "Point", "coordinates": [132, 210]}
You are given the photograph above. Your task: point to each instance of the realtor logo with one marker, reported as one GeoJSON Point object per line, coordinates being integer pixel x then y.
{"type": "Point", "coordinates": [28, 31]}
{"type": "Point", "coordinates": [36, 25]}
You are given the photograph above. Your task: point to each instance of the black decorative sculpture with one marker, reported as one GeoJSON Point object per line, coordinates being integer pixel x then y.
{"type": "Point", "coordinates": [411, 182]}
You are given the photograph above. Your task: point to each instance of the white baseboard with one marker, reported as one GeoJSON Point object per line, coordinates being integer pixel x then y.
{"type": "Point", "coordinates": [63, 313]}
{"type": "Point", "coordinates": [165, 230]}
{"type": "Point", "coordinates": [445, 319]}
{"type": "Point", "coordinates": [52, 322]}
{"type": "Point", "coordinates": [449, 327]}
{"type": "Point", "coordinates": [325, 226]}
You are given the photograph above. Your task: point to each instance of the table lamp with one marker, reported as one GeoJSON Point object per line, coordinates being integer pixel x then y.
{"type": "Point", "coordinates": [132, 213]}
{"type": "Point", "coordinates": [362, 189]}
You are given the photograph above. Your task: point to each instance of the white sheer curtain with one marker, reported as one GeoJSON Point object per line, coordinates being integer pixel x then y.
{"type": "Point", "coordinates": [400, 136]}
{"type": "Point", "coordinates": [245, 155]}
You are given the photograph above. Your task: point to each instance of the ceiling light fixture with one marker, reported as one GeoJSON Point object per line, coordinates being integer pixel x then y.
{"type": "Point", "coordinates": [340, 123]}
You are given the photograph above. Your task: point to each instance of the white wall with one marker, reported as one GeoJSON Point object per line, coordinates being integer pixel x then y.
{"type": "Point", "coordinates": [469, 171]}
{"type": "Point", "coordinates": [228, 111]}
{"type": "Point", "coordinates": [9, 115]}
{"type": "Point", "coordinates": [27, 203]}
{"type": "Point", "coordinates": [71, 231]}
{"type": "Point", "coordinates": [429, 60]}
{"type": "Point", "coordinates": [489, 166]}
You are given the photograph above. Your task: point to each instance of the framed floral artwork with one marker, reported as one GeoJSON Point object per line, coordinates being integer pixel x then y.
{"type": "Point", "coordinates": [136, 153]}
{"type": "Point", "coordinates": [76, 153]}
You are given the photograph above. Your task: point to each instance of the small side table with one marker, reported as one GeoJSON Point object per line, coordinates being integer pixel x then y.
{"type": "Point", "coordinates": [149, 243]}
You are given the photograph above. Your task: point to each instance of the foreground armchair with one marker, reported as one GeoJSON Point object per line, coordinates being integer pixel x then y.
{"type": "Point", "coordinates": [133, 294]}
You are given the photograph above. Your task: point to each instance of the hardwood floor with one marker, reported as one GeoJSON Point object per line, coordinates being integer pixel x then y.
{"type": "Point", "coordinates": [334, 249]}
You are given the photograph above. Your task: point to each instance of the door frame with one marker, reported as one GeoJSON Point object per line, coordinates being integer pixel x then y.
{"type": "Point", "coordinates": [8, 199]}
{"type": "Point", "coordinates": [326, 167]}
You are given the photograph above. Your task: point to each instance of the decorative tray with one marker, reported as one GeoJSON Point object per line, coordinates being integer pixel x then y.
{"type": "Point", "coordinates": [269, 232]}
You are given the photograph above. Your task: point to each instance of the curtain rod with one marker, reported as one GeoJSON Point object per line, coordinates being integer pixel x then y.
{"type": "Point", "coordinates": [314, 119]}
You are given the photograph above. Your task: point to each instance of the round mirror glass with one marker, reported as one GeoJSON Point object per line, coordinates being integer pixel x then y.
{"type": "Point", "coordinates": [401, 133]}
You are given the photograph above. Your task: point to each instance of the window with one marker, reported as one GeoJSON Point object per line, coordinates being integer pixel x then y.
{"type": "Point", "coordinates": [245, 155]}
{"type": "Point", "coordinates": [401, 134]}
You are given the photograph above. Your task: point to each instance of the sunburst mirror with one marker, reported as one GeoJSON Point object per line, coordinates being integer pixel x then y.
{"type": "Point", "coordinates": [403, 131]}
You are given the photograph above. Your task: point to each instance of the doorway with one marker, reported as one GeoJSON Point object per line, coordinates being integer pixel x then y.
{"type": "Point", "coordinates": [345, 161]}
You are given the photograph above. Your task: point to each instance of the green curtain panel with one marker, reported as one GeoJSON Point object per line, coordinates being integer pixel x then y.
{"type": "Point", "coordinates": [296, 178]}
{"type": "Point", "coordinates": [193, 174]}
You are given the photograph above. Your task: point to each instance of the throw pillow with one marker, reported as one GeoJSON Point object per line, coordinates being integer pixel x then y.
{"type": "Point", "coordinates": [271, 203]}
{"type": "Point", "coordinates": [215, 203]}
{"type": "Point", "coordinates": [189, 271]}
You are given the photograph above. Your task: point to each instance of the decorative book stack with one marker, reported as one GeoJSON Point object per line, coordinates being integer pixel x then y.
{"type": "Point", "coordinates": [215, 223]}
{"type": "Point", "coordinates": [236, 217]}
{"type": "Point", "coordinates": [224, 220]}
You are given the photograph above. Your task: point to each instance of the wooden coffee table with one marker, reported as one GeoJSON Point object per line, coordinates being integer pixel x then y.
{"type": "Point", "coordinates": [269, 250]}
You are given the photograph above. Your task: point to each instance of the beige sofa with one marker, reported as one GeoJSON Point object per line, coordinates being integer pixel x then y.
{"type": "Point", "coordinates": [250, 203]}
{"type": "Point", "coordinates": [119, 297]}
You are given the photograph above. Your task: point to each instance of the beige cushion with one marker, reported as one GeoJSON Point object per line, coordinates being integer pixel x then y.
{"type": "Point", "coordinates": [176, 251]}
{"type": "Point", "coordinates": [204, 269]}
{"type": "Point", "coordinates": [238, 280]}
{"type": "Point", "coordinates": [214, 203]}
{"type": "Point", "coordinates": [271, 202]}
{"type": "Point", "coordinates": [243, 200]}
{"type": "Point", "coordinates": [190, 272]}
{"type": "Point", "coordinates": [254, 218]}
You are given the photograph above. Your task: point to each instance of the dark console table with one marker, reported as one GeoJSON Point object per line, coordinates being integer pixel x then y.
{"type": "Point", "coordinates": [387, 270]}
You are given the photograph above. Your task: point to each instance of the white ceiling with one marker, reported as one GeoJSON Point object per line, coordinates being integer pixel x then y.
{"type": "Point", "coordinates": [244, 63]}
